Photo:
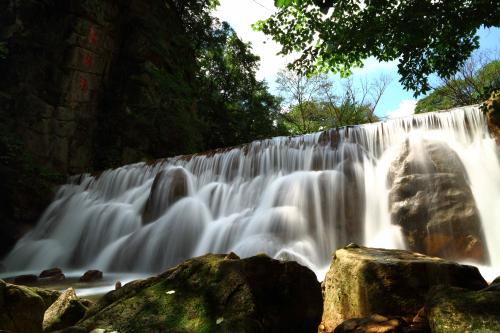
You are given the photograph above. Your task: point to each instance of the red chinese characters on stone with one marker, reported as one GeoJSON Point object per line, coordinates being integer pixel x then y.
{"type": "Point", "coordinates": [84, 85]}
{"type": "Point", "coordinates": [92, 35]}
{"type": "Point", "coordinates": [88, 60]}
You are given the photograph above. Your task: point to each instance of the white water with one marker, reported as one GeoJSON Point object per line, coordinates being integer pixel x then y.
{"type": "Point", "coordinates": [294, 198]}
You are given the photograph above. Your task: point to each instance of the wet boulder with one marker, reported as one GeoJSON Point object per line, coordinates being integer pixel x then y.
{"type": "Point", "coordinates": [91, 275]}
{"type": "Point", "coordinates": [430, 198]}
{"type": "Point", "coordinates": [459, 310]}
{"type": "Point", "coordinates": [374, 323]}
{"type": "Point", "coordinates": [52, 274]}
{"type": "Point", "coordinates": [22, 308]}
{"type": "Point", "coordinates": [214, 293]}
{"type": "Point", "coordinates": [168, 187]}
{"type": "Point", "coordinates": [64, 312]}
{"type": "Point", "coordinates": [365, 281]}
{"type": "Point", "coordinates": [25, 279]}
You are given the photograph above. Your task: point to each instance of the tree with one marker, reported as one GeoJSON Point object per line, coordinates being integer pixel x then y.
{"type": "Point", "coordinates": [301, 94]}
{"type": "Point", "coordinates": [472, 84]}
{"type": "Point", "coordinates": [315, 103]}
{"type": "Point", "coordinates": [235, 106]}
{"type": "Point", "coordinates": [425, 36]}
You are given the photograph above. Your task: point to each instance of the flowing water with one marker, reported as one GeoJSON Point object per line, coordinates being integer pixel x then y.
{"type": "Point", "coordinates": [294, 198]}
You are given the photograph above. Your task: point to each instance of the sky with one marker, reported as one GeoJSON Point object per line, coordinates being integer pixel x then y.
{"type": "Point", "coordinates": [396, 102]}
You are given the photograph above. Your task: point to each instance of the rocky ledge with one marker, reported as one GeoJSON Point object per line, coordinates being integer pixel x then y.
{"type": "Point", "coordinates": [365, 290]}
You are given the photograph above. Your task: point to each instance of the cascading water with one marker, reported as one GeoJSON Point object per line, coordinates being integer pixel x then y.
{"type": "Point", "coordinates": [294, 198]}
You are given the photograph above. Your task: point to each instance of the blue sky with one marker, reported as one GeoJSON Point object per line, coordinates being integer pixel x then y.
{"type": "Point", "coordinates": [241, 14]}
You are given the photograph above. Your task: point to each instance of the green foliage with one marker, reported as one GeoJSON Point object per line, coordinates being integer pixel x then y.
{"type": "Point", "coordinates": [235, 106]}
{"type": "Point", "coordinates": [473, 84]}
{"type": "Point", "coordinates": [3, 50]}
{"type": "Point", "coordinates": [425, 36]}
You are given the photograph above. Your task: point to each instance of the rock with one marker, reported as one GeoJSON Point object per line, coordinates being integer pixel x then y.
{"type": "Point", "coordinates": [458, 310]}
{"type": "Point", "coordinates": [168, 187]}
{"type": "Point", "coordinates": [492, 109]}
{"type": "Point", "coordinates": [430, 198]}
{"type": "Point", "coordinates": [22, 308]}
{"type": "Point", "coordinates": [25, 279]}
{"type": "Point", "coordinates": [64, 312]}
{"type": "Point", "coordinates": [51, 272]}
{"type": "Point", "coordinates": [363, 281]}
{"type": "Point", "coordinates": [118, 285]}
{"type": "Point", "coordinates": [374, 323]}
{"type": "Point", "coordinates": [91, 275]}
{"type": "Point", "coordinates": [214, 293]}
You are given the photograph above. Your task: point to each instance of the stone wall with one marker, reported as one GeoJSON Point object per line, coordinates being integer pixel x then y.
{"type": "Point", "coordinates": [70, 66]}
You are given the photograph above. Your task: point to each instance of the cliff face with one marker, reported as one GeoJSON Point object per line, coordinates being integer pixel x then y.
{"type": "Point", "coordinates": [72, 74]}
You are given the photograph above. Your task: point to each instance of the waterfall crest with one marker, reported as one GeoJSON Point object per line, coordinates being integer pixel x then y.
{"type": "Point", "coordinates": [295, 198]}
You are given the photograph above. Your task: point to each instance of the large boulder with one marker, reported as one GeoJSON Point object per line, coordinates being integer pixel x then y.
{"type": "Point", "coordinates": [492, 109]}
{"type": "Point", "coordinates": [458, 310]}
{"type": "Point", "coordinates": [168, 187]}
{"type": "Point", "coordinates": [214, 293]}
{"type": "Point", "coordinates": [67, 310]}
{"type": "Point", "coordinates": [365, 281]}
{"type": "Point", "coordinates": [430, 198]}
{"type": "Point", "coordinates": [22, 308]}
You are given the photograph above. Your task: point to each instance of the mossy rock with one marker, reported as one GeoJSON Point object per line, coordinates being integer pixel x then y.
{"type": "Point", "coordinates": [364, 281]}
{"type": "Point", "coordinates": [214, 293]}
{"type": "Point", "coordinates": [22, 308]}
{"type": "Point", "coordinates": [64, 312]}
{"type": "Point", "coordinates": [458, 310]}
{"type": "Point", "coordinates": [491, 108]}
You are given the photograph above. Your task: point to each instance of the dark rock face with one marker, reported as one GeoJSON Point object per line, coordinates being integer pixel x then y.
{"type": "Point", "coordinates": [458, 310]}
{"type": "Point", "coordinates": [431, 200]}
{"type": "Point", "coordinates": [72, 72]}
{"type": "Point", "coordinates": [214, 293]}
{"type": "Point", "coordinates": [22, 308]}
{"type": "Point", "coordinates": [364, 281]}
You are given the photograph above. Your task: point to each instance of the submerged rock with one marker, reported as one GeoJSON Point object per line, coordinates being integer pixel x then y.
{"type": "Point", "coordinates": [52, 272]}
{"type": "Point", "coordinates": [431, 199]}
{"type": "Point", "coordinates": [91, 275]}
{"type": "Point", "coordinates": [214, 293]}
{"type": "Point", "coordinates": [22, 308]}
{"type": "Point", "coordinates": [25, 279]}
{"type": "Point", "coordinates": [458, 310]}
{"type": "Point", "coordinates": [364, 281]}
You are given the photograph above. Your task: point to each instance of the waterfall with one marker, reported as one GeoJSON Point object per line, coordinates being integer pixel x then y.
{"type": "Point", "coordinates": [296, 198]}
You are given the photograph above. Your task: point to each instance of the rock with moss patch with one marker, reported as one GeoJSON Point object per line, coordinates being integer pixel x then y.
{"type": "Point", "coordinates": [22, 308]}
{"type": "Point", "coordinates": [214, 293]}
{"type": "Point", "coordinates": [492, 109]}
{"type": "Point", "coordinates": [452, 309]}
{"type": "Point", "coordinates": [67, 310]}
{"type": "Point", "coordinates": [364, 281]}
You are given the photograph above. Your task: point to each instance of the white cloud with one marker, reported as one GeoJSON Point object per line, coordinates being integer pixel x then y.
{"type": "Point", "coordinates": [406, 108]}
{"type": "Point", "coordinates": [241, 14]}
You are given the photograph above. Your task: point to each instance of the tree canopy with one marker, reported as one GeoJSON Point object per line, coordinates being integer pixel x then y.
{"type": "Point", "coordinates": [424, 36]}
{"type": "Point", "coordinates": [472, 84]}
